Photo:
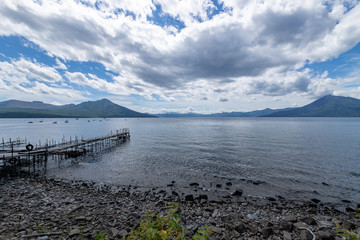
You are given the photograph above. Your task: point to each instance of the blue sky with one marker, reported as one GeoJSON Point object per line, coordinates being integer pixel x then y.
{"type": "Point", "coordinates": [185, 56]}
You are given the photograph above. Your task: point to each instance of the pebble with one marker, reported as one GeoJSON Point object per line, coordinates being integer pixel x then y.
{"type": "Point", "coordinates": [75, 209]}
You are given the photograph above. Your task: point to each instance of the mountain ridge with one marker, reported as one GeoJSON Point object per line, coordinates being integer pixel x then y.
{"type": "Point", "coordinates": [327, 106]}
{"type": "Point", "coordinates": [34, 109]}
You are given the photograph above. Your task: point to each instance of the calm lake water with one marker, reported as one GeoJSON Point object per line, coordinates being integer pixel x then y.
{"type": "Point", "coordinates": [291, 157]}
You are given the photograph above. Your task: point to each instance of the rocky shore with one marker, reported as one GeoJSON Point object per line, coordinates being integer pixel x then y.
{"type": "Point", "coordinates": [40, 208]}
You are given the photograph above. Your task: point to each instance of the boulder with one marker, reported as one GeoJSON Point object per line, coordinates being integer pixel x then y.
{"type": "Point", "coordinates": [237, 193]}
{"type": "Point", "coordinates": [267, 232]}
{"type": "Point", "coordinates": [306, 235]}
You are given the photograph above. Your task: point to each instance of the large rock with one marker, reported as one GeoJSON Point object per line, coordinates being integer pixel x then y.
{"type": "Point", "coordinates": [237, 193]}
{"type": "Point", "coordinates": [74, 232]}
{"type": "Point", "coordinates": [267, 232]}
{"type": "Point", "coordinates": [194, 184]}
{"type": "Point", "coordinates": [325, 235]}
{"type": "Point", "coordinates": [291, 218]}
{"type": "Point", "coordinates": [325, 224]}
{"type": "Point", "coordinates": [287, 236]}
{"type": "Point", "coordinates": [309, 221]}
{"type": "Point", "coordinates": [240, 227]}
{"type": "Point", "coordinates": [189, 198]}
{"type": "Point", "coordinates": [114, 232]}
{"type": "Point", "coordinates": [286, 225]}
{"type": "Point", "coordinates": [348, 225]}
{"type": "Point", "coordinates": [306, 235]}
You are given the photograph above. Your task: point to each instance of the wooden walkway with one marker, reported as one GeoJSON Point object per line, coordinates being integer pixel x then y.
{"type": "Point", "coordinates": [30, 156]}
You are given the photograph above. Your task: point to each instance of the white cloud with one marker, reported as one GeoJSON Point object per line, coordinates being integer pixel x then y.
{"type": "Point", "coordinates": [22, 71]}
{"type": "Point", "coordinates": [188, 11]}
{"type": "Point", "coordinates": [30, 80]}
{"type": "Point", "coordinates": [60, 65]}
{"type": "Point", "coordinates": [253, 47]}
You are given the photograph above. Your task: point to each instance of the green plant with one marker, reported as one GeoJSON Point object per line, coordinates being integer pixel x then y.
{"type": "Point", "coordinates": [350, 234]}
{"type": "Point", "coordinates": [203, 234]}
{"type": "Point", "coordinates": [44, 228]}
{"type": "Point", "coordinates": [163, 227]}
{"type": "Point", "coordinates": [100, 236]}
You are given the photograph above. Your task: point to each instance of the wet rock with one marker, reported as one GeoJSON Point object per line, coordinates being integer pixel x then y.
{"type": "Point", "coordinates": [114, 232]}
{"type": "Point", "coordinates": [265, 223]}
{"type": "Point", "coordinates": [306, 235]}
{"type": "Point", "coordinates": [74, 232]}
{"type": "Point", "coordinates": [300, 225]}
{"type": "Point", "coordinates": [286, 225]}
{"type": "Point", "coordinates": [240, 227]}
{"type": "Point", "coordinates": [80, 218]}
{"type": "Point", "coordinates": [325, 224]}
{"type": "Point", "coordinates": [217, 230]}
{"type": "Point", "coordinates": [252, 216]}
{"type": "Point", "coordinates": [315, 200]}
{"type": "Point", "coordinates": [291, 218]}
{"type": "Point", "coordinates": [189, 197]}
{"type": "Point", "coordinates": [267, 232]}
{"type": "Point", "coordinates": [237, 193]}
{"type": "Point", "coordinates": [348, 225]}
{"type": "Point", "coordinates": [218, 200]}
{"type": "Point", "coordinates": [350, 209]}
{"type": "Point", "coordinates": [203, 196]}
{"type": "Point", "coordinates": [287, 236]}
{"type": "Point", "coordinates": [325, 235]}
{"type": "Point", "coordinates": [123, 233]}
{"type": "Point", "coordinates": [271, 199]}
{"type": "Point", "coordinates": [215, 213]}
{"type": "Point", "coordinates": [309, 221]}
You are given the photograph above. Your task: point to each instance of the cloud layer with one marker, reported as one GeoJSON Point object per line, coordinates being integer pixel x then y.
{"type": "Point", "coordinates": [220, 51]}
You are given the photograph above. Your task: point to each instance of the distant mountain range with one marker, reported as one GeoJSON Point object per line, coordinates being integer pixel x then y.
{"type": "Point", "coordinates": [328, 106]}
{"type": "Point", "coordinates": [257, 113]}
{"type": "Point", "coordinates": [91, 109]}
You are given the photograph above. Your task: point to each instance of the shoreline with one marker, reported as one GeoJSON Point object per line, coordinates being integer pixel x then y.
{"type": "Point", "coordinates": [35, 206]}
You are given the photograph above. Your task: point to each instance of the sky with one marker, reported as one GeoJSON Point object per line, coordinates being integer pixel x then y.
{"type": "Point", "coordinates": [160, 56]}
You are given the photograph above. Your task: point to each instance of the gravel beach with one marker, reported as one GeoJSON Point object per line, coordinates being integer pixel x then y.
{"type": "Point", "coordinates": [35, 207]}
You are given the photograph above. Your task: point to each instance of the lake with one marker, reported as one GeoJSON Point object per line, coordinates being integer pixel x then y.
{"type": "Point", "coordinates": [298, 158]}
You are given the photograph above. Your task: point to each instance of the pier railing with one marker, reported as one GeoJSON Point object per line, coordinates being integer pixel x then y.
{"type": "Point", "coordinates": [30, 155]}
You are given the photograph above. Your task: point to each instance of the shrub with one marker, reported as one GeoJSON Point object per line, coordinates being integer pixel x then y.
{"type": "Point", "coordinates": [350, 234]}
{"type": "Point", "coordinates": [164, 227]}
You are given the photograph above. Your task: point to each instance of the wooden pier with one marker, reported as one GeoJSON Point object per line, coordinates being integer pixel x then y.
{"type": "Point", "coordinates": [19, 154]}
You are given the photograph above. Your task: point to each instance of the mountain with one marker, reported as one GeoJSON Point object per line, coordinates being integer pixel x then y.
{"type": "Point", "coordinates": [100, 108]}
{"type": "Point", "coordinates": [328, 106]}
{"type": "Point", "coordinates": [11, 104]}
{"type": "Point", "coordinates": [257, 113]}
